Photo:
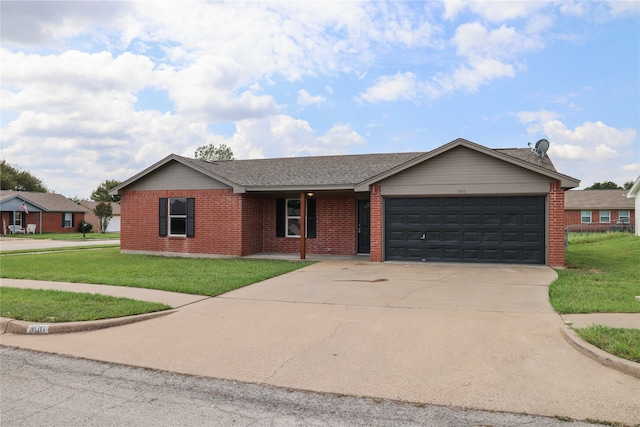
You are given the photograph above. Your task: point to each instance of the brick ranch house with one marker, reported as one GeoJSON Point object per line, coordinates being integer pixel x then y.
{"type": "Point", "coordinates": [461, 202]}
{"type": "Point", "coordinates": [47, 212]}
{"type": "Point", "coordinates": [599, 210]}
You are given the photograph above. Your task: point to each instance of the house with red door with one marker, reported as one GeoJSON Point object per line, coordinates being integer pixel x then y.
{"type": "Point", "coordinates": [599, 210]}
{"type": "Point", "coordinates": [35, 212]}
{"type": "Point", "coordinates": [461, 202]}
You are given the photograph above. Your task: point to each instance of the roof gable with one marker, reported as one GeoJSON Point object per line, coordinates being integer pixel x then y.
{"type": "Point", "coordinates": [513, 156]}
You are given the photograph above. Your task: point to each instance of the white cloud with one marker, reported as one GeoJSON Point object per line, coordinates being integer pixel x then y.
{"type": "Point", "coordinates": [392, 88]}
{"type": "Point", "coordinates": [305, 99]}
{"type": "Point", "coordinates": [50, 22]}
{"type": "Point", "coordinates": [285, 136]}
{"type": "Point", "coordinates": [494, 11]}
{"type": "Point", "coordinates": [618, 7]}
{"type": "Point", "coordinates": [591, 151]}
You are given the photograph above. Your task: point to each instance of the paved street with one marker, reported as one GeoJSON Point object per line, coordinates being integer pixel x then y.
{"type": "Point", "coordinates": [41, 389]}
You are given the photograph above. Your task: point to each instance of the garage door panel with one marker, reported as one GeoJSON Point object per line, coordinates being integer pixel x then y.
{"type": "Point", "coordinates": [466, 229]}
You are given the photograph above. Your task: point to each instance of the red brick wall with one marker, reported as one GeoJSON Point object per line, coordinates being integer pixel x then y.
{"type": "Point", "coordinates": [556, 226]}
{"type": "Point", "coordinates": [335, 228]}
{"type": "Point", "coordinates": [218, 223]}
{"type": "Point", "coordinates": [235, 224]}
{"type": "Point", "coordinates": [252, 220]}
{"type": "Point", "coordinates": [574, 217]}
{"type": "Point", "coordinates": [51, 222]}
{"type": "Point", "coordinates": [376, 223]}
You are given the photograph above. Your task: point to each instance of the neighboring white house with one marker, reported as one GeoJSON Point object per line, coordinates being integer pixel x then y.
{"type": "Point", "coordinates": [635, 192]}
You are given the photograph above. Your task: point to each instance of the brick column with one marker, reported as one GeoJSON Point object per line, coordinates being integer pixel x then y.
{"type": "Point", "coordinates": [556, 225]}
{"type": "Point", "coordinates": [376, 223]}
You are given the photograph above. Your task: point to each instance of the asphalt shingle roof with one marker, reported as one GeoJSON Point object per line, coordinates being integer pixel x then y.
{"type": "Point", "coordinates": [597, 199]}
{"type": "Point", "coordinates": [346, 170]}
{"type": "Point", "coordinates": [50, 201]}
{"type": "Point", "coordinates": [343, 170]}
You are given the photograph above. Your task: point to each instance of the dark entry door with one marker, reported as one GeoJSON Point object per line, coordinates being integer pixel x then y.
{"type": "Point", "coordinates": [466, 229]}
{"type": "Point", "coordinates": [364, 226]}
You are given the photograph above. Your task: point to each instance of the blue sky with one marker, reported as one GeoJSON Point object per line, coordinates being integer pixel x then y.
{"type": "Point", "coordinates": [92, 90]}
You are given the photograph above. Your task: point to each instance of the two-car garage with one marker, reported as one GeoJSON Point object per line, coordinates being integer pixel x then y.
{"type": "Point", "coordinates": [465, 229]}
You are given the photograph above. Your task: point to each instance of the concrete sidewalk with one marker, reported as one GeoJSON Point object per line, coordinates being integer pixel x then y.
{"type": "Point", "coordinates": [482, 337]}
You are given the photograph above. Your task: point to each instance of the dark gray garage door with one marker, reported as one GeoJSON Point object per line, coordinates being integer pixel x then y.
{"type": "Point", "coordinates": [466, 229]}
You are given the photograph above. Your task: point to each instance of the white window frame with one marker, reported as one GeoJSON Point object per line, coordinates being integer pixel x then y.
{"type": "Point", "coordinates": [68, 219]}
{"type": "Point", "coordinates": [171, 216]}
{"type": "Point", "coordinates": [291, 219]}
{"type": "Point", "coordinates": [583, 215]}
{"type": "Point", "coordinates": [607, 217]}
{"type": "Point", "coordinates": [624, 218]}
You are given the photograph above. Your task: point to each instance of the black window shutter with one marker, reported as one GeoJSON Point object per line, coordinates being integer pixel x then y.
{"type": "Point", "coordinates": [191, 217]}
{"type": "Point", "coordinates": [280, 217]}
{"type": "Point", "coordinates": [62, 219]}
{"type": "Point", "coordinates": [311, 218]}
{"type": "Point", "coordinates": [72, 219]}
{"type": "Point", "coordinates": [162, 216]}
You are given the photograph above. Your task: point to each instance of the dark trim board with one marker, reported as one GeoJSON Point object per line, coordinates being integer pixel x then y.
{"type": "Point", "coordinates": [507, 230]}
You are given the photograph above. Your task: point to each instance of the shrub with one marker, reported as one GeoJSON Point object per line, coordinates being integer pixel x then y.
{"type": "Point", "coordinates": [84, 227]}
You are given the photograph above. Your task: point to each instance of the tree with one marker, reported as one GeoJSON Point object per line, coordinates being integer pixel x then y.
{"type": "Point", "coordinates": [104, 212]}
{"type": "Point", "coordinates": [211, 153]}
{"type": "Point", "coordinates": [101, 194]}
{"type": "Point", "coordinates": [12, 178]}
{"type": "Point", "coordinates": [627, 185]}
{"type": "Point", "coordinates": [605, 185]}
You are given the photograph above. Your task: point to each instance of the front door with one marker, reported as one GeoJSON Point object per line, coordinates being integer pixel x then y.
{"type": "Point", "coordinates": [364, 221]}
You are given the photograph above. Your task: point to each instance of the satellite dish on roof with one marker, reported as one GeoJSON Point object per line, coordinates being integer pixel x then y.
{"type": "Point", "coordinates": [541, 148]}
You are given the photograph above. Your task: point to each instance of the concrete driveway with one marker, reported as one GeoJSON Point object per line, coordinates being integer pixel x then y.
{"type": "Point", "coordinates": [464, 335]}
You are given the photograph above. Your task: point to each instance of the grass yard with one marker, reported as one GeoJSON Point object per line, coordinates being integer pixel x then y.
{"type": "Point", "coordinates": [602, 275]}
{"type": "Point", "coordinates": [624, 343]}
{"type": "Point", "coordinates": [200, 276]}
{"type": "Point", "coordinates": [40, 305]}
{"type": "Point", "coordinates": [67, 236]}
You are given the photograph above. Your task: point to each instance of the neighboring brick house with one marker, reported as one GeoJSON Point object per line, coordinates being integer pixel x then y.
{"type": "Point", "coordinates": [599, 210]}
{"type": "Point", "coordinates": [461, 202]}
{"type": "Point", "coordinates": [44, 212]}
{"type": "Point", "coordinates": [91, 218]}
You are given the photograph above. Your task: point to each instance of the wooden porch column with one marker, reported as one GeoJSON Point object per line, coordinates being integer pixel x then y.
{"type": "Point", "coordinates": [303, 225]}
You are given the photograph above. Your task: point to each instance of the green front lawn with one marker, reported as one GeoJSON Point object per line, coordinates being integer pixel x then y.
{"type": "Point", "coordinates": [67, 236]}
{"type": "Point", "coordinates": [200, 276]}
{"type": "Point", "coordinates": [602, 275]}
{"type": "Point", "coordinates": [42, 305]}
{"type": "Point", "coordinates": [624, 343]}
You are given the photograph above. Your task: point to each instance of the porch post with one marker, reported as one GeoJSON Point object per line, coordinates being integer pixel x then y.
{"type": "Point", "coordinates": [303, 220]}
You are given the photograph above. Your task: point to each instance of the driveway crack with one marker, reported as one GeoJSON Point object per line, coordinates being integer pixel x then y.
{"type": "Point", "coordinates": [306, 350]}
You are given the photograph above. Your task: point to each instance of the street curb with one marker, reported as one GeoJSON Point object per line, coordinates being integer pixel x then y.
{"type": "Point", "coordinates": [625, 366]}
{"type": "Point", "coordinates": [12, 326]}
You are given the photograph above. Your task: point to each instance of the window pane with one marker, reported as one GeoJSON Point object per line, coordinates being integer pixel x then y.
{"type": "Point", "coordinates": [293, 226]}
{"type": "Point", "coordinates": [623, 216]}
{"type": "Point", "coordinates": [604, 216]}
{"type": "Point", "coordinates": [293, 207]}
{"type": "Point", "coordinates": [178, 226]}
{"type": "Point", "coordinates": [67, 219]}
{"type": "Point", "coordinates": [177, 206]}
{"type": "Point", "coordinates": [586, 217]}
